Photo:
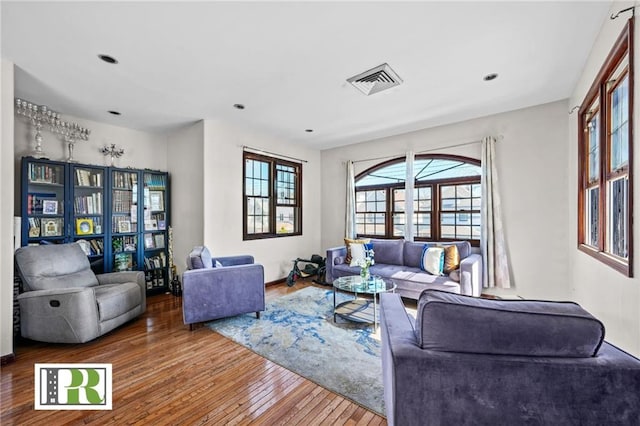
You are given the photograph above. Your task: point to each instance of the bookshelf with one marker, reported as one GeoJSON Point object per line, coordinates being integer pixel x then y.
{"type": "Point", "coordinates": [120, 217]}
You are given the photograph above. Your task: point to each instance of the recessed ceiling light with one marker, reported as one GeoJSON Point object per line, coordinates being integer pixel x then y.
{"type": "Point", "coordinates": [308, 130]}
{"type": "Point", "coordinates": [108, 59]}
{"type": "Point", "coordinates": [114, 112]}
{"type": "Point", "coordinates": [490, 77]}
{"type": "Point", "coordinates": [238, 106]}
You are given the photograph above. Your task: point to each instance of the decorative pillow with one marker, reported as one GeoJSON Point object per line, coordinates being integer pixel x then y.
{"type": "Point", "coordinates": [451, 258]}
{"type": "Point", "coordinates": [218, 264]}
{"type": "Point", "coordinates": [348, 242]}
{"type": "Point", "coordinates": [359, 252]}
{"type": "Point", "coordinates": [199, 258]}
{"type": "Point", "coordinates": [432, 260]}
{"type": "Point", "coordinates": [454, 275]}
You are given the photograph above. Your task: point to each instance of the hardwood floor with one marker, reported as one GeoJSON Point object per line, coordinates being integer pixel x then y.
{"type": "Point", "coordinates": [165, 374]}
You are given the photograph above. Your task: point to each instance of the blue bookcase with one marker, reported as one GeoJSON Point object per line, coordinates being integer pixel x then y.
{"type": "Point", "coordinates": [120, 217]}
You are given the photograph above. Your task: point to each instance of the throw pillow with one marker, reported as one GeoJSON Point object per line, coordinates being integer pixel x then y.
{"type": "Point", "coordinates": [455, 275]}
{"type": "Point", "coordinates": [348, 242]}
{"type": "Point", "coordinates": [217, 264]}
{"type": "Point", "coordinates": [451, 258]}
{"type": "Point", "coordinates": [432, 260]}
{"type": "Point", "coordinates": [359, 252]}
{"type": "Point", "coordinates": [199, 258]}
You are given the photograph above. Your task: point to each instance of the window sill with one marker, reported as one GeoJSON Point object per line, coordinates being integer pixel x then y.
{"type": "Point", "coordinates": [622, 266]}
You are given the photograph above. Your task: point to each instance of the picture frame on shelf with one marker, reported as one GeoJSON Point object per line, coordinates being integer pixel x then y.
{"type": "Point", "coordinates": [51, 227]}
{"type": "Point", "coordinates": [124, 226]}
{"type": "Point", "coordinates": [49, 206]}
{"type": "Point", "coordinates": [156, 201]}
{"type": "Point", "coordinates": [159, 240]}
{"type": "Point", "coordinates": [84, 226]}
{"type": "Point", "coordinates": [149, 242]}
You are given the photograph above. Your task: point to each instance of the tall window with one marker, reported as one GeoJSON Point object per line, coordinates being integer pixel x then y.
{"type": "Point", "coordinates": [605, 160]}
{"type": "Point", "coordinates": [446, 199]}
{"type": "Point", "coordinates": [272, 194]}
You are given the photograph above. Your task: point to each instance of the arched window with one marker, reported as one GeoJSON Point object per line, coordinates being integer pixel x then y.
{"type": "Point", "coordinates": [446, 201]}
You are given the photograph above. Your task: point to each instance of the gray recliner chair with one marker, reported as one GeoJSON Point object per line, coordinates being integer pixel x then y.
{"type": "Point", "coordinates": [65, 302]}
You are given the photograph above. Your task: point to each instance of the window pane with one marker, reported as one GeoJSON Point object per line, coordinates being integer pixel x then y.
{"type": "Point", "coordinates": [448, 192]}
{"type": "Point", "coordinates": [464, 204]}
{"type": "Point", "coordinates": [618, 208]}
{"type": "Point", "coordinates": [592, 220]}
{"type": "Point", "coordinates": [448, 231]}
{"type": "Point", "coordinates": [619, 125]}
{"type": "Point", "coordinates": [398, 200]}
{"type": "Point", "coordinates": [285, 220]}
{"type": "Point", "coordinates": [463, 232]}
{"type": "Point", "coordinates": [593, 147]}
{"type": "Point", "coordinates": [448, 219]}
{"type": "Point", "coordinates": [398, 224]}
{"type": "Point", "coordinates": [448, 204]}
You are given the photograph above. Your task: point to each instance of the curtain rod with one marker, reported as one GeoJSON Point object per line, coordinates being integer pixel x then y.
{"type": "Point", "coordinates": [273, 154]}
{"type": "Point", "coordinates": [499, 138]}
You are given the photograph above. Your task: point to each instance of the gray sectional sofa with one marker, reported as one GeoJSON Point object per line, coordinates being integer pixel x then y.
{"type": "Point", "coordinates": [399, 260]}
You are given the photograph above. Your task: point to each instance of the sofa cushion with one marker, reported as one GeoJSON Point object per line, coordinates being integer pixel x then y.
{"type": "Point", "coordinates": [199, 258]}
{"type": "Point", "coordinates": [389, 252]}
{"type": "Point", "coordinates": [116, 299]}
{"type": "Point", "coordinates": [453, 323]}
{"type": "Point", "coordinates": [347, 243]}
{"type": "Point", "coordinates": [413, 253]}
{"type": "Point", "coordinates": [432, 260]}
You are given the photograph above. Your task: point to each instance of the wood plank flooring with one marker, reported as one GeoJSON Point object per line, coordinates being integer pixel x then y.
{"type": "Point", "coordinates": [164, 374]}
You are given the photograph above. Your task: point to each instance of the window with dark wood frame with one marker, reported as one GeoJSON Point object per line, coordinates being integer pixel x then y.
{"type": "Point", "coordinates": [456, 216]}
{"type": "Point", "coordinates": [605, 160]}
{"type": "Point", "coordinates": [272, 190]}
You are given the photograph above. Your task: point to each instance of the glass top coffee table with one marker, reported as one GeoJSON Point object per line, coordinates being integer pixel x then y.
{"type": "Point", "coordinates": [360, 309]}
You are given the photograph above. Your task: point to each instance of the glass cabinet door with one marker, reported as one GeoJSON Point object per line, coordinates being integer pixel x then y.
{"type": "Point", "coordinates": [88, 213]}
{"type": "Point", "coordinates": [43, 202]}
{"type": "Point", "coordinates": [124, 220]}
{"type": "Point", "coordinates": [155, 230]}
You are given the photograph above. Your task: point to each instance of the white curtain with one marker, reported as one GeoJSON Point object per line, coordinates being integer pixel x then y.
{"type": "Point", "coordinates": [409, 185]}
{"type": "Point", "coordinates": [350, 228]}
{"type": "Point", "coordinates": [492, 243]}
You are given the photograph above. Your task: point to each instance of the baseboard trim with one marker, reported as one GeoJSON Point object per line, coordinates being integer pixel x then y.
{"type": "Point", "coordinates": [280, 281]}
{"type": "Point", "coordinates": [6, 359]}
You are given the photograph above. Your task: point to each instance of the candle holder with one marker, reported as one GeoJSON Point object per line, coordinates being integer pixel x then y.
{"type": "Point", "coordinates": [112, 151]}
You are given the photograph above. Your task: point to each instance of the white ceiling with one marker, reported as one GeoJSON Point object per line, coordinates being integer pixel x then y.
{"type": "Point", "coordinates": [288, 62]}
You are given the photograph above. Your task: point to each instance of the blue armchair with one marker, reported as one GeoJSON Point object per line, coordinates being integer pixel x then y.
{"type": "Point", "coordinates": [219, 287]}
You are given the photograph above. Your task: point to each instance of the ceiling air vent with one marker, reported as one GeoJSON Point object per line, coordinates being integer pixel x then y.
{"type": "Point", "coordinates": [375, 80]}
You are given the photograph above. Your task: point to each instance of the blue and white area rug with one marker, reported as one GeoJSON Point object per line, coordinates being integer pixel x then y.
{"type": "Point", "coordinates": [297, 331]}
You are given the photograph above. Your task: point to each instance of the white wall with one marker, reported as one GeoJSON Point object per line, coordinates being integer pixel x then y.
{"type": "Point", "coordinates": [6, 209]}
{"type": "Point", "coordinates": [186, 168]}
{"type": "Point", "coordinates": [532, 158]}
{"type": "Point", "coordinates": [607, 294]}
{"type": "Point", "coordinates": [223, 199]}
